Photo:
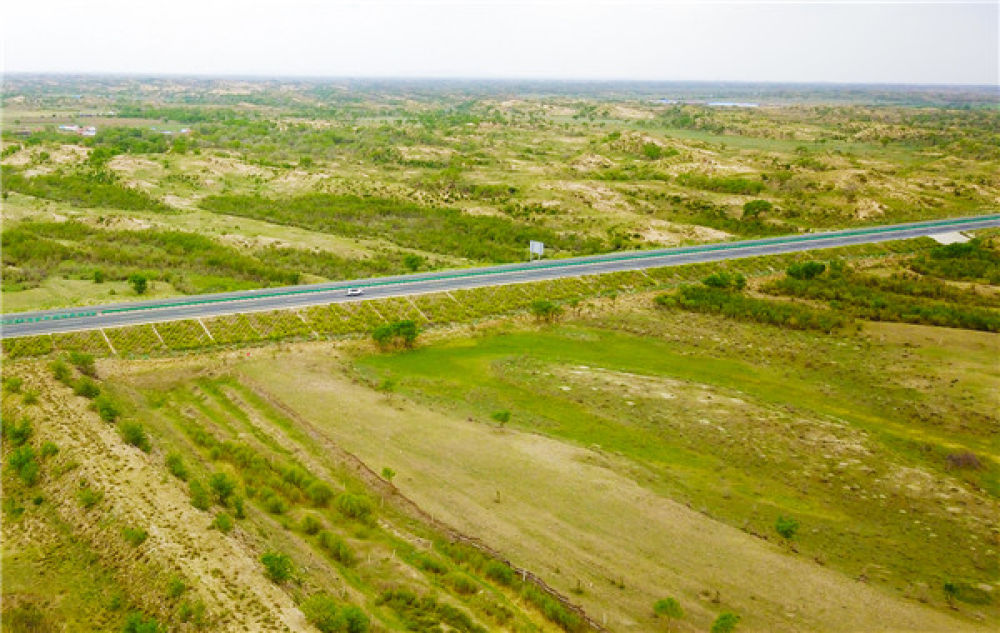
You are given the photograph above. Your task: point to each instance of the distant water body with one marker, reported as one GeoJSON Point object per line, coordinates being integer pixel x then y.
{"type": "Point", "coordinates": [731, 104]}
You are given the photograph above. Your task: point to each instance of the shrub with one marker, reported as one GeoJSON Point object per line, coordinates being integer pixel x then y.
{"type": "Point", "coordinates": [12, 384]}
{"type": "Point", "coordinates": [30, 397]}
{"type": "Point", "coordinates": [277, 566]}
{"type": "Point", "coordinates": [462, 583]}
{"type": "Point", "coordinates": [223, 485]}
{"type": "Point", "coordinates": [806, 270]}
{"type": "Point", "coordinates": [139, 283]}
{"type": "Point", "coordinates": [86, 388]}
{"type": "Point", "coordinates": [502, 417]}
{"type": "Point", "coordinates": [136, 623]}
{"type": "Point", "coordinates": [175, 464]}
{"type": "Point", "coordinates": [89, 497]}
{"type": "Point", "coordinates": [319, 493]}
{"type": "Point", "coordinates": [786, 527]}
{"type": "Point", "coordinates": [725, 281]}
{"type": "Point", "coordinates": [337, 548]}
{"type": "Point", "coordinates": [273, 503]}
{"type": "Point", "coordinates": [545, 310]}
{"type": "Point", "coordinates": [17, 433]}
{"type": "Point", "coordinates": [399, 333]}
{"type": "Point", "coordinates": [754, 208]}
{"type": "Point", "coordinates": [499, 572]}
{"type": "Point", "coordinates": [48, 450]}
{"type": "Point", "coordinates": [311, 524]}
{"type": "Point", "coordinates": [175, 588]}
{"type": "Point", "coordinates": [84, 363]}
{"type": "Point", "coordinates": [355, 506]}
{"type": "Point", "coordinates": [61, 372]}
{"type": "Point", "coordinates": [106, 408]}
{"type": "Point", "coordinates": [222, 522]}
{"type": "Point", "coordinates": [238, 510]}
{"type": "Point", "coordinates": [668, 608]}
{"type": "Point", "coordinates": [22, 461]}
{"type": "Point", "coordinates": [725, 623]}
{"type": "Point", "coordinates": [329, 617]}
{"type": "Point", "coordinates": [135, 536]}
{"type": "Point", "coordinates": [133, 433]}
{"type": "Point", "coordinates": [553, 610]}
{"type": "Point", "coordinates": [26, 618]}
{"type": "Point", "coordinates": [388, 474]}
{"type": "Point", "coordinates": [199, 496]}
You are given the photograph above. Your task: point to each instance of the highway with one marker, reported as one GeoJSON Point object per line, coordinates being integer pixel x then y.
{"type": "Point", "coordinates": [209, 305]}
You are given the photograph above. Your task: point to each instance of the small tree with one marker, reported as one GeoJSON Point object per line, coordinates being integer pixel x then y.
{"type": "Point", "coordinates": [413, 262]}
{"type": "Point", "coordinates": [501, 417]}
{"type": "Point", "coordinates": [388, 474]}
{"type": "Point", "coordinates": [669, 609]}
{"type": "Point", "coordinates": [806, 270]}
{"type": "Point", "coordinates": [400, 333]}
{"type": "Point", "coordinates": [786, 527]}
{"type": "Point", "coordinates": [139, 283]}
{"type": "Point", "coordinates": [545, 310]}
{"type": "Point", "coordinates": [754, 208]}
{"type": "Point", "coordinates": [725, 623]}
{"type": "Point", "coordinates": [223, 485]}
{"type": "Point", "coordinates": [277, 566]}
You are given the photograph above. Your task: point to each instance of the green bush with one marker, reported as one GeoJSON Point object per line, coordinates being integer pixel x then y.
{"type": "Point", "coordinates": [668, 608]}
{"type": "Point", "coordinates": [223, 523]}
{"type": "Point", "coordinates": [223, 485]}
{"type": "Point", "coordinates": [17, 433]}
{"type": "Point", "coordinates": [106, 408]}
{"type": "Point", "coordinates": [806, 270]}
{"type": "Point", "coordinates": [277, 566]}
{"type": "Point", "coordinates": [61, 372]}
{"type": "Point", "coordinates": [786, 526]}
{"type": "Point", "coordinates": [175, 587]}
{"type": "Point", "coordinates": [30, 397]}
{"type": "Point", "coordinates": [133, 433]}
{"type": "Point", "coordinates": [495, 570]}
{"type": "Point", "coordinates": [311, 524]}
{"type": "Point", "coordinates": [199, 495]}
{"type": "Point", "coordinates": [337, 548]}
{"type": "Point", "coordinates": [135, 622]}
{"type": "Point", "coordinates": [319, 493]}
{"type": "Point", "coordinates": [738, 306]}
{"type": "Point", "coordinates": [725, 281]}
{"type": "Point", "coordinates": [175, 464]}
{"type": "Point", "coordinates": [48, 449]}
{"type": "Point", "coordinates": [22, 461]}
{"type": "Point", "coordinates": [86, 388]}
{"type": "Point", "coordinates": [398, 333]}
{"type": "Point", "coordinates": [135, 536]}
{"type": "Point", "coordinates": [89, 497]}
{"type": "Point", "coordinates": [330, 617]}
{"type": "Point", "coordinates": [357, 507]}
{"type": "Point", "coordinates": [725, 623]}
{"type": "Point", "coordinates": [461, 583]}
{"type": "Point", "coordinates": [84, 363]}
{"type": "Point", "coordinates": [12, 384]}
{"type": "Point", "coordinates": [545, 310]}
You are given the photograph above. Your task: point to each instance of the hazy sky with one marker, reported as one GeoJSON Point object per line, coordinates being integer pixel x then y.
{"type": "Point", "coordinates": [898, 42]}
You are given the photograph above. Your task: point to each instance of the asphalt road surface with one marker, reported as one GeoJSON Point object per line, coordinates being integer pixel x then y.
{"type": "Point", "coordinates": [188, 307]}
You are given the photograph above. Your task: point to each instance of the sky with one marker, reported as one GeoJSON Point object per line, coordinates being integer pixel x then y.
{"type": "Point", "coordinates": [836, 41]}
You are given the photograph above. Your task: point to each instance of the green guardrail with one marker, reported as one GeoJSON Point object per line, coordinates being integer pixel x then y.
{"type": "Point", "coordinates": [514, 269]}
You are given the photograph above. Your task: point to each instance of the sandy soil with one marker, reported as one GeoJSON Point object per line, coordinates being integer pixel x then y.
{"type": "Point", "coordinates": [220, 568]}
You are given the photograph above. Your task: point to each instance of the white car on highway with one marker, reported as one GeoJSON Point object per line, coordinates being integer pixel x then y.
{"type": "Point", "coordinates": [354, 292]}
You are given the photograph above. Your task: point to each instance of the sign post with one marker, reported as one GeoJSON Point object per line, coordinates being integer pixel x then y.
{"type": "Point", "coordinates": [535, 248]}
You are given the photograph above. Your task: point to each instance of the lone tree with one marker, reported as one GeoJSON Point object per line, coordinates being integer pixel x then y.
{"type": "Point", "coordinates": [139, 283]}
{"type": "Point", "coordinates": [501, 417]}
{"type": "Point", "coordinates": [396, 334]}
{"type": "Point", "coordinates": [388, 474]}
{"type": "Point", "coordinates": [754, 208]}
{"type": "Point", "coordinates": [669, 609]}
{"type": "Point", "coordinates": [545, 310]}
{"type": "Point", "coordinates": [786, 527]}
